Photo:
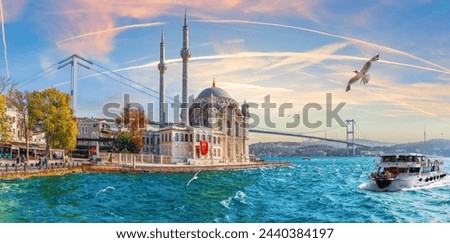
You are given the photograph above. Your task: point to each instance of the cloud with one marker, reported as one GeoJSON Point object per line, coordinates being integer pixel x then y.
{"type": "Point", "coordinates": [116, 29]}
{"type": "Point", "coordinates": [306, 9]}
{"type": "Point", "coordinates": [99, 19]}
{"type": "Point", "coordinates": [234, 41]}
{"type": "Point", "coordinates": [350, 39]}
{"type": "Point", "coordinates": [13, 9]}
{"type": "Point", "coordinates": [241, 74]}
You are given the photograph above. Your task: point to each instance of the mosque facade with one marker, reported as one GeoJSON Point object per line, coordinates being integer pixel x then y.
{"type": "Point", "coordinates": [213, 130]}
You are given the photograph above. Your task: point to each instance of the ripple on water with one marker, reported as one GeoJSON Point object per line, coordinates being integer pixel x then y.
{"type": "Point", "coordinates": [319, 190]}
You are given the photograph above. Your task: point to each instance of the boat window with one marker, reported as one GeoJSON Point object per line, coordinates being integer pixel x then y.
{"type": "Point", "coordinates": [389, 159]}
{"type": "Point", "coordinates": [414, 170]}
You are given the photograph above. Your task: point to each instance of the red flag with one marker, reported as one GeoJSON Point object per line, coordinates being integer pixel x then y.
{"type": "Point", "coordinates": [203, 147]}
{"type": "Point", "coordinates": [93, 150]}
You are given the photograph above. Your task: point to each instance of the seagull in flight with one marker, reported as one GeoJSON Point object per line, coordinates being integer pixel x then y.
{"type": "Point", "coordinates": [193, 178]}
{"type": "Point", "coordinates": [104, 190]}
{"type": "Point", "coordinates": [363, 75]}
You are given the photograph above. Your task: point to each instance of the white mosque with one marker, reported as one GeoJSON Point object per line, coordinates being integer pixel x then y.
{"type": "Point", "coordinates": [213, 130]}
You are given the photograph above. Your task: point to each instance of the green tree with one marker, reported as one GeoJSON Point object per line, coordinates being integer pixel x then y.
{"type": "Point", "coordinates": [125, 143]}
{"type": "Point", "coordinates": [50, 110]}
{"type": "Point", "coordinates": [5, 134]}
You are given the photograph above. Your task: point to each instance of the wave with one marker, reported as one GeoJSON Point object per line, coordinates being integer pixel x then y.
{"type": "Point", "coordinates": [226, 203]}
{"type": "Point", "coordinates": [372, 186]}
{"type": "Point", "coordinates": [441, 183]}
{"type": "Point", "coordinates": [239, 197]}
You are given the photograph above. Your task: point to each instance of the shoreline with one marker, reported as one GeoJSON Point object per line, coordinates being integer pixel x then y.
{"type": "Point", "coordinates": [92, 168]}
{"type": "Point", "coordinates": [170, 169]}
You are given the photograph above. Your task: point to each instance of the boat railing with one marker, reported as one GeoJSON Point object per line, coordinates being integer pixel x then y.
{"type": "Point", "coordinates": [410, 164]}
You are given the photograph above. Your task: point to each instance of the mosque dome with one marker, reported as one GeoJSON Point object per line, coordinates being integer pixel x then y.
{"type": "Point", "coordinates": [214, 91]}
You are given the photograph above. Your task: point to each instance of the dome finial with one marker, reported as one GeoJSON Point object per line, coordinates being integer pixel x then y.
{"type": "Point", "coordinates": [214, 82]}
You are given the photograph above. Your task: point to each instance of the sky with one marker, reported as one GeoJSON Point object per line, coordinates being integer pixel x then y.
{"type": "Point", "coordinates": [295, 51]}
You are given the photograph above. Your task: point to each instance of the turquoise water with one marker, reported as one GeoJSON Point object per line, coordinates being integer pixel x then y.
{"type": "Point", "coordinates": [318, 190]}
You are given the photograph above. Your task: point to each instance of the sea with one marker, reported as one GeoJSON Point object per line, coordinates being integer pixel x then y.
{"type": "Point", "coordinates": [319, 190]}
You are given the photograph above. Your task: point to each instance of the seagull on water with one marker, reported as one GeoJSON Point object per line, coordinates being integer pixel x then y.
{"type": "Point", "coordinates": [363, 75]}
{"type": "Point", "coordinates": [104, 190]}
{"type": "Point", "coordinates": [193, 178]}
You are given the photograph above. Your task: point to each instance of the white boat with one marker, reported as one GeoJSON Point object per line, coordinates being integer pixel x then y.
{"type": "Point", "coordinates": [400, 171]}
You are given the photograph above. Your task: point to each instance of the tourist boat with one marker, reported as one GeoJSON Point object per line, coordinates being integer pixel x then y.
{"type": "Point", "coordinates": [400, 171]}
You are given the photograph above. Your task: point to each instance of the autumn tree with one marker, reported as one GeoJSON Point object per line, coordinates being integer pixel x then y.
{"type": "Point", "coordinates": [50, 110]}
{"type": "Point", "coordinates": [134, 121]}
{"type": "Point", "coordinates": [18, 101]}
{"type": "Point", "coordinates": [5, 134]}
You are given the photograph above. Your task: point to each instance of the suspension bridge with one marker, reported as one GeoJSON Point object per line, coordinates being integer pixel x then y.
{"type": "Point", "coordinates": [75, 60]}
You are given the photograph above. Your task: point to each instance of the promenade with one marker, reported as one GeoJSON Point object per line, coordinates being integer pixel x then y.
{"type": "Point", "coordinates": [11, 170]}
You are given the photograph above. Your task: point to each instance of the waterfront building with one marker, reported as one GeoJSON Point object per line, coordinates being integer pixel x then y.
{"type": "Point", "coordinates": [213, 130]}
{"type": "Point", "coordinates": [93, 131]}
{"type": "Point", "coordinates": [17, 144]}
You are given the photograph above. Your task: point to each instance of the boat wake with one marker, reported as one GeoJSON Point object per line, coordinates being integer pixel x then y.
{"type": "Point", "coordinates": [372, 186]}
{"type": "Point", "coordinates": [441, 183]}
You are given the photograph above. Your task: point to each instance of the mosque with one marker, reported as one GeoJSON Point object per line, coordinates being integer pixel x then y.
{"type": "Point", "coordinates": [213, 130]}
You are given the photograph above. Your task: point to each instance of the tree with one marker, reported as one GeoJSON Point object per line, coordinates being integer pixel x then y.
{"type": "Point", "coordinates": [125, 143]}
{"type": "Point", "coordinates": [134, 120]}
{"type": "Point", "coordinates": [50, 110]}
{"type": "Point", "coordinates": [5, 83]}
{"type": "Point", "coordinates": [5, 134]}
{"type": "Point", "coordinates": [18, 101]}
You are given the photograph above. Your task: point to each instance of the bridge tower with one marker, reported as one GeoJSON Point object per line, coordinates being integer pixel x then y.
{"type": "Point", "coordinates": [350, 133]}
{"type": "Point", "coordinates": [74, 61]}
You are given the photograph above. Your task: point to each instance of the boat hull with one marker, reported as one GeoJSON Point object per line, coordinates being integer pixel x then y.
{"type": "Point", "coordinates": [405, 181]}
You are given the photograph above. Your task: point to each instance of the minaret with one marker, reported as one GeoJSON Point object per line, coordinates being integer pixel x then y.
{"type": "Point", "coordinates": [185, 54]}
{"type": "Point", "coordinates": [245, 130]}
{"type": "Point", "coordinates": [162, 67]}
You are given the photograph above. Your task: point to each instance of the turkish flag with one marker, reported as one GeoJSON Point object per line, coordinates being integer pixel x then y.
{"type": "Point", "coordinates": [93, 150]}
{"type": "Point", "coordinates": [203, 147]}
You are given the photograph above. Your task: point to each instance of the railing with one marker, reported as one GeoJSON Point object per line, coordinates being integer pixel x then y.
{"type": "Point", "coordinates": [128, 158]}
{"type": "Point", "coordinates": [6, 166]}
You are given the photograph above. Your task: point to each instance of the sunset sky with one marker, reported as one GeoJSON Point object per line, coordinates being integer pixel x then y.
{"type": "Point", "coordinates": [294, 51]}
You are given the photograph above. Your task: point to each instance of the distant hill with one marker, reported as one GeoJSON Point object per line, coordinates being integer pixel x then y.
{"type": "Point", "coordinates": [431, 147]}
{"type": "Point", "coordinates": [323, 148]}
